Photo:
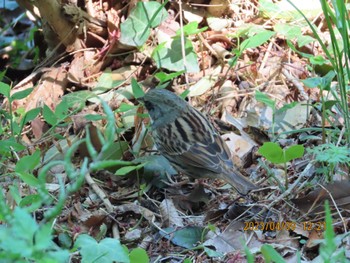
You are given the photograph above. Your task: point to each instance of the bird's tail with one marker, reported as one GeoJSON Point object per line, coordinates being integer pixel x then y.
{"type": "Point", "coordinates": [242, 184]}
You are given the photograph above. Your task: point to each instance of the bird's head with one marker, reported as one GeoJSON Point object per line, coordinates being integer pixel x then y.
{"type": "Point", "coordinates": [163, 106]}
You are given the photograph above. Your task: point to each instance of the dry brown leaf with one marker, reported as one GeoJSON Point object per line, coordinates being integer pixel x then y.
{"type": "Point", "coordinates": [170, 215]}
{"type": "Point", "coordinates": [314, 201]}
{"type": "Point", "coordinates": [49, 90]}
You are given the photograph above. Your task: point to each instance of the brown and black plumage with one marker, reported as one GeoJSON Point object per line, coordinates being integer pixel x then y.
{"type": "Point", "coordinates": [189, 141]}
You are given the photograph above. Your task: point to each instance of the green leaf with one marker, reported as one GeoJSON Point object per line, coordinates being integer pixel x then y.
{"type": "Point", "coordinates": [107, 82]}
{"type": "Point", "coordinates": [272, 152]}
{"type": "Point", "coordinates": [304, 40]}
{"type": "Point", "coordinates": [321, 82]}
{"type": "Point", "coordinates": [5, 89]}
{"type": "Point", "coordinates": [123, 107]}
{"type": "Point", "coordinates": [7, 146]}
{"type": "Point", "coordinates": [294, 152]}
{"type": "Point", "coordinates": [29, 116]}
{"type": "Point", "coordinates": [256, 40]}
{"type": "Point", "coordinates": [75, 100]}
{"type": "Point", "coordinates": [137, 27]}
{"type": "Point", "coordinates": [186, 237]}
{"type": "Point", "coordinates": [127, 169]}
{"type": "Point", "coordinates": [329, 104]}
{"type": "Point", "coordinates": [21, 94]}
{"type": "Point", "coordinates": [28, 178]}
{"type": "Point", "coordinates": [43, 237]}
{"type": "Point", "coordinates": [262, 97]}
{"type": "Point", "coordinates": [49, 115]}
{"type": "Point", "coordinates": [28, 163]}
{"type": "Point", "coordinates": [23, 224]}
{"type": "Point", "coordinates": [212, 253]}
{"type": "Point", "coordinates": [164, 77]}
{"type": "Point", "coordinates": [115, 151]}
{"type": "Point", "coordinates": [107, 250]}
{"type": "Point", "coordinates": [289, 31]}
{"type": "Point", "coordinates": [136, 89]}
{"type": "Point", "coordinates": [287, 106]}
{"type": "Point", "coordinates": [312, 82]}
{"type": "Point", "coordinates": [191, 29]}
{"type": "Point", "coordinates": [138, 255]}
{"type": "Point", "coordinates": [171, 57]}
{"type": "Point", "coordinates": [318, 60]}
{"type": "Point", "coordinates": [31, 202]}
{"type": "Point", "coordinates": [65, 240]}
{"type": "Point", "coordinates": [94, 117]}
{"type": "Point", "coordinates": [271, 255]}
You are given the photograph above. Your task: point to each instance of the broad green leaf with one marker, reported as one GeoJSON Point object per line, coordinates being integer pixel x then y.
{"type": "Point", "coordinates": [187, 237]}
{"type": "Point", "coordinates": [164, 77]}
{"type": "Point", "coordinates": [288, 106]}
{"type": "Point", "coordinates": [294, 152]}
{"type": "Point", "coordinates": [329, 104]}
{"type": "Point", "coordinates": [28, 163]}
{"type": "Point", "coordinates": [94, 117]}
{"type": "Point", "coordinates": [321, 82]}
{"type": "Point", "coordinates": [212, 253]}
{"type": "Point", "coordinates": [29, 116]}
{"type": "Point", "coordinates": [116, 151]}
{"type": "Point", "coordinates": [7, 146]}
{"type": "Point", "coordinates": [125, 107]}
{"type": "Point", "coordinates": [256, 40]}
{"type": "Point", "coordinates": [312, 82]}
{"type": "Point", "coordinates": [75, 100]}
{"type": "Point", "coordinates": [138, 255]}
{"type": "Point", "coordinates": [271, 255]}
{"type": "Point", "coordinates": [318, 60]}
{"type": "Point", "coordinates": [21, 94]}
{"type": "Point", "coordinates": [272, 152]}
{"type": "Point", "coordinates": [136, 89]}
{"type": "Point", "coordinates": [171, 58]}
{"type": "Point", "coordinates": [106, 82]}
{"type": "Point", "coordinates": [305, 40]}
{"type": "Point", "coordinates": [43, 237]}
{"type": "Point", "coordinates": [28, 178]}
{"type": "Point", "coordinates": [289, 31]}
{"type": "Point", "coordinates": [127, 169]}
{"type": "Point", "coordinates": [107, 250]}
{"type": "Point", "coordinates": [5, 89]}
{"type": "Point", "coordinates": [191, 29]}
{"type": "Point", "coordinates": [137, 27]}
{"type": "Point", "coordinates": [65, 240]}
{"type": "Point", "coordinates": [33, 202]}
{"type": "Point", "coordinates": [262, 97]}
{"type": "Point", "coordinates": [49, 115]}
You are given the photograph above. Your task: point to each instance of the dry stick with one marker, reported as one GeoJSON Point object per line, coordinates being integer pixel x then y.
{"type": "Point", "coordinates": [206, 44]}
{"type": "Point", "coordinates": [105, 200]}
{"type": "Point", "coordinates": [267, 53]}
{"type": "Point", "coordinates": [340, 136]}
{"type": "Point", "coordinates": [296, 83]}
{"type": "Point", "coordinates": [289, 190]}
{"type": "Point", "coordinates": [336, 207]}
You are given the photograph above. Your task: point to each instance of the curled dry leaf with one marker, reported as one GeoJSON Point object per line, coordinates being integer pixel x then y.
{"type": "Point", "coordinates": [170, 215]}
{"type": "Point", "coordinates": [314, 201]}
{"type": "Point", "coordinates": [49, 90]}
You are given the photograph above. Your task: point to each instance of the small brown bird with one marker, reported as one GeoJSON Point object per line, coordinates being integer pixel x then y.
{"type": "Point", "coordinates": [189, 141]}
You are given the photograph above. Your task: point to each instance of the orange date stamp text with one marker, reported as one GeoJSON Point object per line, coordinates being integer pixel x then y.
{"type": "Point", "coordinates": [284, 225]}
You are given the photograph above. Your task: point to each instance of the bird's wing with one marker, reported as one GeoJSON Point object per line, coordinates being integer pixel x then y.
{"type": "Point", "coordinates": [213, 156]}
